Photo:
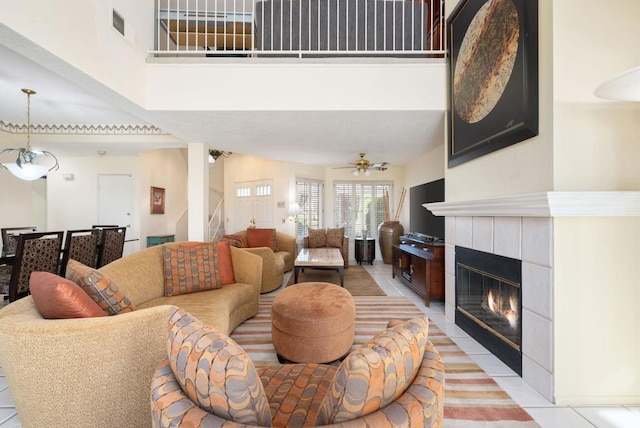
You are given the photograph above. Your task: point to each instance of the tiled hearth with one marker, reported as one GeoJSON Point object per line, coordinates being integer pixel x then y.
{"type": "Point", "coordinates": [521, 227]}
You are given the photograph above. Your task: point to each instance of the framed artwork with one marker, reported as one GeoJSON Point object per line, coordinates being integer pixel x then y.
{"type": "Point", "coordinates": [157, 200]}
{"type": "Point", "coordinates": [492, 76]}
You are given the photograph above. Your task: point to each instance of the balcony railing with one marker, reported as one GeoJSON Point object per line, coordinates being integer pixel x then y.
{"type": "Point", "coordinates": [300, 28]}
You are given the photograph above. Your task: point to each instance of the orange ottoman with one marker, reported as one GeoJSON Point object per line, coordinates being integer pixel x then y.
{"type": "Point", "coordinates": [313, 322]}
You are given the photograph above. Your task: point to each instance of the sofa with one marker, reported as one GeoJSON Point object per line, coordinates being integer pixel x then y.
{"type": "Point", "coordinates": [274, 263]}
{"type": "Point", "coordinates": [96, 372]}
{"type": "Point", "coordinates": [319, 238]}
{"type": "Point", "coordinates": [395, 380]}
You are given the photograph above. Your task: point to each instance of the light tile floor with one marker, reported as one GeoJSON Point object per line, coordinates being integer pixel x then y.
{"type": "Point", "coordinates": [545, 413]}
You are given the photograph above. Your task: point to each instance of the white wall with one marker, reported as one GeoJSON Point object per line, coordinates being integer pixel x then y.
{"type": "Point", "coordinates": [74, 204]}
{"type": "Point", "coordinates": [80, 32]}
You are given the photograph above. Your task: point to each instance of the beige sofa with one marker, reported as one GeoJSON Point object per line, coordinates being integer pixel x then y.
{"type": "Point", "coordinates": [96, 372]}
{"type": "Point", "coordinates": [274, 264]}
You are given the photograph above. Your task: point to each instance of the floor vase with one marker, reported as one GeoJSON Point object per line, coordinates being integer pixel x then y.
{"type": "Point", "coordinates": [389, 233]}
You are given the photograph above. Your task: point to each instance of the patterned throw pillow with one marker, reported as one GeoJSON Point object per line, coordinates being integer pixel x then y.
{"type": "Point", "coordinates": [99, 287]}
{"type": "Point", "coordinates": [335, 237]}
{"type": "Point", "coordinates": [262, 238]}
{"type": "Point", "coordinates": [376, 374]}
{"type": "Point", "coordinates": [215, 372]}
{"type": "Point", "coordinates": [191, 267]}
{"type": "Point", "coordinates": [235, 240]}
{"type": "Point", "coordinates": [317, 238]}
{"type": "Point", "coordinates": [59, 298]}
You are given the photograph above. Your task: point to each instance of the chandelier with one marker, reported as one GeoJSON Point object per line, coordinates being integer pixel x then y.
{"type": "Point", "coordinates": [26, 165]}
{"type": "Point", "coordinates": [215, 154]}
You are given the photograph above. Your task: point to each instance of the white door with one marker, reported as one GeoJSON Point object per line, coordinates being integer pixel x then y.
{"type": "Point", "coordinates": [115, 206]}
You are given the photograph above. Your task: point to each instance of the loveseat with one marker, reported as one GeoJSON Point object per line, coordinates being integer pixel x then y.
{"type": "Point", "coordinates": [96, 372]}
{"type": "Point", "coordinates": [395, 380]}
{"type": "Point", "coordinates": [274, 263]}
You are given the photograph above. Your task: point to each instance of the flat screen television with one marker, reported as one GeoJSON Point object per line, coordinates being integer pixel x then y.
{"type": "Point", "coordinates": [421, 220]}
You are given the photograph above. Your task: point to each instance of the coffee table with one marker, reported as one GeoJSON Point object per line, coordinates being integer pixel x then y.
{"type": "Point", "coordinates": [319, 258]}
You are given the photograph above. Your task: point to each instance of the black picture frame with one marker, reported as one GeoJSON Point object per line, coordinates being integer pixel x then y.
{"type": "Point", "coordinates": [514, 117]}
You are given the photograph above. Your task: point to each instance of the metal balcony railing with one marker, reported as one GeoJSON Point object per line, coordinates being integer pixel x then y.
{"type": "Point", "coordinates": [300, 28]}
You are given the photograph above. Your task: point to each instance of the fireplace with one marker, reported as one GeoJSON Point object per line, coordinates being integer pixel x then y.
{"type": "Point", "coordinates": [489, 302]}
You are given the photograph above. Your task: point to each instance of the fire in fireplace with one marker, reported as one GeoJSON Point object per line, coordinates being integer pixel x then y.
{"type": "Point", "coordinates": [489, 301]}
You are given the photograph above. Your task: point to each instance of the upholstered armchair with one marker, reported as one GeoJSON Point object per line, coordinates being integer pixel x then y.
{"type": "Point", "coordinates": [274, 263]}
{"type": "Point", "coordinates": [319, 238]}
{"type": "Point", "coordinates": [395, 380]}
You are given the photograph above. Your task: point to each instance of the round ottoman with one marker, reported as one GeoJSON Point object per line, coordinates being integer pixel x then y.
{"type": "Point", "coordinates": [313, 322]}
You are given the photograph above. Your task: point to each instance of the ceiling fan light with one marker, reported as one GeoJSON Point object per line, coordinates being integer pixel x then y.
{"type": "Point", "coordinates": [355, 172]}
{"type": "Point", "coordinates": [367, 172]}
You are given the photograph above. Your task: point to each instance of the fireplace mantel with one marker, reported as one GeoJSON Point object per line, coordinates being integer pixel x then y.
{"type": "Point", "coordinates": [545, 204]}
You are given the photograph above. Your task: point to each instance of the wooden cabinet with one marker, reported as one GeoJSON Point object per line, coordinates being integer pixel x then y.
{"type": "Point", "coordinates": [365, 250]}
{"type": "Point", "coordinates": [421, 267]}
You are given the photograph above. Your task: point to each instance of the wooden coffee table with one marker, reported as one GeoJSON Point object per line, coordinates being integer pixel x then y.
{"type": "Point", "coordinates": [319, 258]}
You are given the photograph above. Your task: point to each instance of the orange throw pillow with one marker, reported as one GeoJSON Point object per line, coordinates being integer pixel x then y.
{"type": "Point", "coordinates": [225, 263]}
{"type": "Point", "coordinates": [262, 238]}
{"type": "Point", "coordinates": [59, 298]}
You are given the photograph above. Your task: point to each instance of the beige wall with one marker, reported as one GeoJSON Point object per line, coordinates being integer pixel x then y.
{"type": "Point", "coordinates": [597, 321]}
{"type": "Point", "coordinates": [166, 168]}
{"type": "Point", "coordinates": [424, 169]}
{"type": "Point", "coordinates": [597, 142]}
{"type": "Point", "coordinates": [596, 147]}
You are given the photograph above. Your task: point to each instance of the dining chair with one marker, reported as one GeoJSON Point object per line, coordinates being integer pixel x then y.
{"type": "Point", "coordinates": [38, 251]}
{"type": "Point", "coordinates": [82, 246]}
{"type": "Point", "coordinates": [111, 245]}
{"type": "Point", "coordinates": [10, 235]}
{"type": "Point", "coordinates": [5, 277]}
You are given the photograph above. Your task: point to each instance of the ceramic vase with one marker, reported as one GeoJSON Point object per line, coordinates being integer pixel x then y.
{"type": "Point", "coordinates": [389, 233]}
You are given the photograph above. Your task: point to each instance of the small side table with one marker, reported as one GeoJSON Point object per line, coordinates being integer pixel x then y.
{"type": "Point", "coordinates": [365, 250]}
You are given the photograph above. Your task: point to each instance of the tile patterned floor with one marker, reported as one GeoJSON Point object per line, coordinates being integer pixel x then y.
{"type": "Point", "coordinates": [545, 413]}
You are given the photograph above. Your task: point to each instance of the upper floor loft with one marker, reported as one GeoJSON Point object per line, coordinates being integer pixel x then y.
{"type": "Point", "coordinates": [298, 28]}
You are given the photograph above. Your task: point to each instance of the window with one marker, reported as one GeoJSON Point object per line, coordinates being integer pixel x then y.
{"type": "Point", "coordinates": [309, 197]}
{"type": "Point", "coordinates": [361, 206]}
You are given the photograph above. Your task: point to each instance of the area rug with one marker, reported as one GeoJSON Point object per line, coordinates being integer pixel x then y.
{"type": "Point", "coordinates": [472, 398]}
{"type": "Point", "coordinates": [356, 280]}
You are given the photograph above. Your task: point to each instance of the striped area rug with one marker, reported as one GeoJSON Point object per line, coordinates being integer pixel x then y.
{"type": "Point", "coordinates": [472, 398]}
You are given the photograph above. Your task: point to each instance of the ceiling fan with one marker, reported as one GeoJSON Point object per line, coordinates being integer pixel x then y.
{"type": "Point", "coordinates": [364, 166]}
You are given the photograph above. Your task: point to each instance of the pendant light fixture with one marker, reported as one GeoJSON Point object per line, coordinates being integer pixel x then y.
{"type": "Point", "coordinates": [26, 165]}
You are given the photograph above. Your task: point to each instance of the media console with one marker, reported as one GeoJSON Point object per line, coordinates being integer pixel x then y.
{"type": "Point", "coordinates": [419, 261]}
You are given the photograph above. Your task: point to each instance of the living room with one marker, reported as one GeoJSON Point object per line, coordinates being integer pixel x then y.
{"type": "Point", "coordinates": [584, 146]}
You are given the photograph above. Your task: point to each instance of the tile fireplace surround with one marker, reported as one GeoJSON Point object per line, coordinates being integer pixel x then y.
{"type": "Point", "coordinates": [521, 227]}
